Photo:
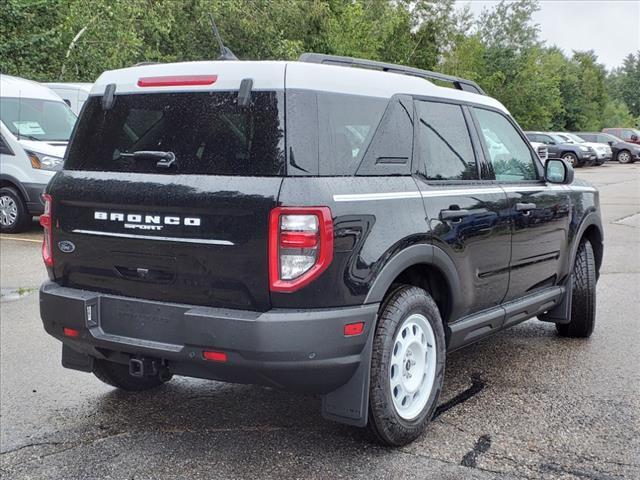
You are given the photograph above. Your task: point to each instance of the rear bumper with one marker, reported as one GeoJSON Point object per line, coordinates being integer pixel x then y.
{"type": "Point", "coordinates": [301, 350]}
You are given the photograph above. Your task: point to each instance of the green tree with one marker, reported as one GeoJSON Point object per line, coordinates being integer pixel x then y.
{"type": "Point", "coordinates": [616, 114]}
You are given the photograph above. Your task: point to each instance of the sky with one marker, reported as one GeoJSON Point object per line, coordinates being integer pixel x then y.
{"type": "Point", "coordinates": [609, 27]}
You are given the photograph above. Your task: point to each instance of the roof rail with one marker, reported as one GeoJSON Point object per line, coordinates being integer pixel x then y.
{"type": "Point", "coordinates": [459, 83]}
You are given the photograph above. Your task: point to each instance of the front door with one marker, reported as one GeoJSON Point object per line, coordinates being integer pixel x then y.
{"type": "Point", "coordinates": [468, 218]}
{"type": "Point", "coordinates": [539, 212]}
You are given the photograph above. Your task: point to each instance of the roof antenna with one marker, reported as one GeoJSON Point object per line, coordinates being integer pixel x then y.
{"type": "Point", "coordinates": [225, 53]}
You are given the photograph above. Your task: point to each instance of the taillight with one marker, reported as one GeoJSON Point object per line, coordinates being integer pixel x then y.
{"type": "Point", "coordinates": [300, 246]}
{"type": "Point", "coordinates": [46, 220]}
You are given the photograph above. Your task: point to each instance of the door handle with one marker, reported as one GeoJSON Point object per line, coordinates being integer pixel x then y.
{"type": "Point", "coordinates": [454, 216]}
{"type": "Point", "coordinates": [525, 208]}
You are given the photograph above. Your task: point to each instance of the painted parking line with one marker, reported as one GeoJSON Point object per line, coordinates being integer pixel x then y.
{"type": "Point", "coordinates": [19, 239]}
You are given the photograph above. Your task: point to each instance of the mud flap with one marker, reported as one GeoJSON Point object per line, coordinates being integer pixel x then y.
{"type": "Point", "coordinates": [350, 403]}
{"type": "Point", "coordinates": [75, 360]}
{"type": "Point", "coordinates": [561, 313]}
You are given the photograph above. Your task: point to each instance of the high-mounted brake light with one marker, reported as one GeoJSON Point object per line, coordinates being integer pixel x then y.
{"type": "Point", "coordinates": [300, 246]}
{"type": "Point", "coordinates": [46, 220]}
{"type": "Point", "coordinates": [177, 81]}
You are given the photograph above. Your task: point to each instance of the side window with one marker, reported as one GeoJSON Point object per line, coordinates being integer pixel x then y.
{"type": "Point", "coordinates": [346, 125]}
{"type": "Point", "coordinates": [626, 135]}
{"type": "Point", "coordinates": [444, 145]}
{"type": "Point", "coordinates": [4, 147]}
{"type": "Point", "coordinates": [509, 154]}
{"type": "Point", "coordinates": [546, 139]}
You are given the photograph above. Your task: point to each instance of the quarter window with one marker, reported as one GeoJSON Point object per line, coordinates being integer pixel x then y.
{"type": "Point", "coordinates": [346, 125]}
{"type": "Point", "coordinates": [444, 146]}
{"type": "Point", "coordinates": [510, 156]}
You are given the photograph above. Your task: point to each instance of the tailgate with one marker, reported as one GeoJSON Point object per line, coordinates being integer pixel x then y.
{"type": "Point", "coordinates": [174, 239]}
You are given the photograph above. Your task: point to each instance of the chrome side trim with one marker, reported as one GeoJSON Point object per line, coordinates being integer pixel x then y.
{"type": "Point", "coordinates": [364, 197]}
{"type": "Point", "coordinates": [203, 241]}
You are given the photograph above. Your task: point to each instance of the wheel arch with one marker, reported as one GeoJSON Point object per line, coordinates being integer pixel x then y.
{"type": "Point", "coordinates": [590, 229]}
{"type": "Point", "coordinates": [424, 266]}
{"type": "Point", "coordinates": [9, 181]}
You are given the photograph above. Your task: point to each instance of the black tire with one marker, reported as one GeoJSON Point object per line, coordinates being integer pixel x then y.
{"type": "Point", "coordinates": [572, 159]}
{"type": "Point", "coordinates": [583, 299]}
{"type": "Point", "coordinates": [22, 218]}
{"type": "Point", "coordinates": [624, 156]}
{"type": "Point", "coordinates": [384, 421]}
{"type": "Point", "coordinates": [117, 375]}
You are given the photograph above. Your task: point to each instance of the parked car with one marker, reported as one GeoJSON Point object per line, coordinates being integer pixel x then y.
{"type": "Point", "coordinates": [542, 150]}
{"type": "Point", "coordinates": [35, 125]}
{"type": "Point", "coordinates": [623, 152]}
{"type": "Point", "coordinates": [202, 226]}
{"type": "Point", "coordinates": [603, 151]}
{"type": "Point", "coordinates": [73, 94]}
{"type": "Point", "coordinates": [558, 147]}
{"type": "Point", "coordinates": [630, 135]}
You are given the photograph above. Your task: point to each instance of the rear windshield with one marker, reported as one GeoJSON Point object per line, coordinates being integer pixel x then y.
{"type": "Point", "coordinates": [207, 133]}
{"type": "Point", "coordinates": [36, 119]}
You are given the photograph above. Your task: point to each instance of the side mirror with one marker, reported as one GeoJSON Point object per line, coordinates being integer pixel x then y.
{"type": "Point", "coordinates": [551, 142]}
{"type": "Point", "coordinates": [557, 170]}
{"type": "Point", "coordinates": [634, 138]}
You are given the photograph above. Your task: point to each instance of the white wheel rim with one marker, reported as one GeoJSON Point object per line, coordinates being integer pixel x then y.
{"type": "Point", "coordinates": [412, 369]}
{"type": "Point", "coordinates": [8, 211]}
{"type": "Point", "coordinates": [624, 157]}
{"type": "Point", "coordinates": [569, 158]}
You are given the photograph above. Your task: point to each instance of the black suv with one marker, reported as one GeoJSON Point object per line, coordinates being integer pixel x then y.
{"type": "Point", "coordinates": [309, 225]}
{"type": "Point", "coordinates": [558, 147]}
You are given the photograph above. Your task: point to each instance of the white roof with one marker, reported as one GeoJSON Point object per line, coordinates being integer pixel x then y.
{"type": "Point", "coordinates": [21, 88]}
{"type": "Point", "coordinates": [269, 75]}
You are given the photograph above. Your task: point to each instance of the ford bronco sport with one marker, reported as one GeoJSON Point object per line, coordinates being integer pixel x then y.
{"type": "Point", "coordinates": [308, 225]}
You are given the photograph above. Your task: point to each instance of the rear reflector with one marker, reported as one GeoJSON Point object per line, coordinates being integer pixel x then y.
{"type": "Point", "coordinates": [214, 356]}
{"type": "Point", "coordinates": [351, 329]}
{"type": "Point", "coordinates": [177, 81]}
{"type": "Point", "coordinates": [70, 332]}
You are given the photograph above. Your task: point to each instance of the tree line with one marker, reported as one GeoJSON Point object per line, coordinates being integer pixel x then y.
{"type": "Point", "coordinates": [76, 40]}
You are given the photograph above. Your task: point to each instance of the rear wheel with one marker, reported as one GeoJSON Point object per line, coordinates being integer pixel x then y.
{"type": "Point", "coordinates": [14, 217]}
{"type": "Point", "coordinates": [117, 375]}
{"type": "Point", "coordinates": [624, 156]}
{"type": "Point", "coordinates": [407, 366]}
{"type": "Point", "coordinates": [583, 299]}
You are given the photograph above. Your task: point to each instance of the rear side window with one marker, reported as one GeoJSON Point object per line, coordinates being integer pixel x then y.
{"type": "Point", "coordinates": [444, 145]}
{"type": "Point", "coordinates": [345, 126]}
{"type": "Point", "coordinates": [206, 131]}
{"type": "Point", "coordinates": [509, 154]}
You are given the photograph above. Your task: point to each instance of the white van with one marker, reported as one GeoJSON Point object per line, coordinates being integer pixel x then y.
{"type": "Point", "coordinates": [35, 125]}
{"type": "Point", "coordinates": [73, 94]}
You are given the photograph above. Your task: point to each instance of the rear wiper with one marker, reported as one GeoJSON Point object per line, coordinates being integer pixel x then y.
{"type": "Point", "coordinates": [164, 159]}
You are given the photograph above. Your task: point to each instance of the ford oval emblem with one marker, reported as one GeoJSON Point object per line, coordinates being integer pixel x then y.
{"type": "Point", "coordinates": [66, 246]}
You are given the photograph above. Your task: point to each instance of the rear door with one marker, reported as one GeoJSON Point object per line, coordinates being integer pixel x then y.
{"type": "Point", "coordinates": [466, 214]}
{"type": "Point", "coordinates": [193, 232]}
{"type": "Point", "coordinates": [539, 212]}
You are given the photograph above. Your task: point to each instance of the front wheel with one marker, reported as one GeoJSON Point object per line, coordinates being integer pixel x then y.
{"type": "Point", "coordinates": [407, 366]}
{"type": "Point", "coordinates": [14, 217]}
{"type": "Point", "coordinates": [583, 299]}
{"type": "Point", "coordinates": [624, 156]}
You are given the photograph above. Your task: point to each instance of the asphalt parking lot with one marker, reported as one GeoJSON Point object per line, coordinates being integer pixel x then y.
{"type": "Point", "coordinates": [523, 404]}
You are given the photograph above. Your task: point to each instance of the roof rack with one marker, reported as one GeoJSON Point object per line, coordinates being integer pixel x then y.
{"type": "Point", "coordinates": [459, 83]}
